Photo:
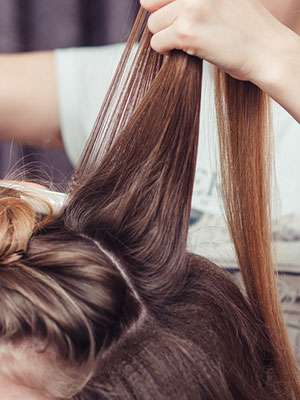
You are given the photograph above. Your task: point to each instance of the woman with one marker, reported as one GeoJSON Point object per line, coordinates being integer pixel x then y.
{"type": "Point", "coordinates": [102, 301]}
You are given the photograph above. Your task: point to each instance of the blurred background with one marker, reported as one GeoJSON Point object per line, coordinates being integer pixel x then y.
{"type": "Point", "coordinates": [28, 25]}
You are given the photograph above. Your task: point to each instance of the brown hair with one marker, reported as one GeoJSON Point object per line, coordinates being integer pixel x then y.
{"type": "Point", "coordinates": [244, 138]}
{"type": "Point", "coordinates": [107, 292]}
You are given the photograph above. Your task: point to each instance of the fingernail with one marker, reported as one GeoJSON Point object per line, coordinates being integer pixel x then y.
{"type": "Point", "coordinates": [190, 52]}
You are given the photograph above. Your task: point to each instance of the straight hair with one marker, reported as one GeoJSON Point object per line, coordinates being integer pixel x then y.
{"type": "Point", "coordinates": [245, 158]}
{"type": "Point", "coordinates": [108, 284]}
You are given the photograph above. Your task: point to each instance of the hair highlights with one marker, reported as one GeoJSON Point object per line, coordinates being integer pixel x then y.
{"type": "Point", "coordinates": [108, 284]}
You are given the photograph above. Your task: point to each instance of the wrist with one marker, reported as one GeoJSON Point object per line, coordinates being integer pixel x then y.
{"type": "Point", "coordinates": [279, 76]}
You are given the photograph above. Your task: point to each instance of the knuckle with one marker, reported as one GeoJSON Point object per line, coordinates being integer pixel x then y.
{"type": "Point", "coordinates": [147, 4]}
{"type": "Point", "coordinates": [190, 4]}
{"type": "Point", "coordinates": [201, 9]}
{"type": "Point", "coordinates": [183, 30]}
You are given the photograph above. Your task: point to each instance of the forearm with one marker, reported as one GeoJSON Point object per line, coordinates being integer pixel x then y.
{"type": "Point", "coordinates": [28, 99]}
{"type": "Point", "coordinates": [281, 78]}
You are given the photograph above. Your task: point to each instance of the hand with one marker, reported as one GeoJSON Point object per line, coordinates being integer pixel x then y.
{"type": "Point", "coordinates": [240, 37]}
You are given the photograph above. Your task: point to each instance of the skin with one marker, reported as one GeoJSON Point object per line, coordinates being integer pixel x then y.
{"type": "Point", "coordinates": [28, 91]}
{"type": "Point", "coordinates": [242, 38]}
{"type": "Point", "coordinates": [12, 391]}
{"type": "Point", "coordinates": [287, 12]}
{"type": "Point", "coordinates": [29, 184]}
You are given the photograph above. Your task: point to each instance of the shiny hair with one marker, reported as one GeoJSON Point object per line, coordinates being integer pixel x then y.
{"type": "Point", "coordinates": [105, 294]}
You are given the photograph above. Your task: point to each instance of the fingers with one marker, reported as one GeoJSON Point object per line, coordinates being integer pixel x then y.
{"type": "Point", "coordinates": [163, 18]}
{"type": "Point", "coordinates": [170, 29]}
{"type": "Point", "coordinates": [152, 5]}
{"type": "Point", "coordinates": [165, 40]}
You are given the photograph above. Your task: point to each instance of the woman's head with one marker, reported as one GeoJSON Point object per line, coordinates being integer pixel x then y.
{"type": "Point", "coordinates": [63, 299]}
{"type": "Point", "coordinates": [71, 327]}
{"type": "Point", "coordinates": [72, 324]}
